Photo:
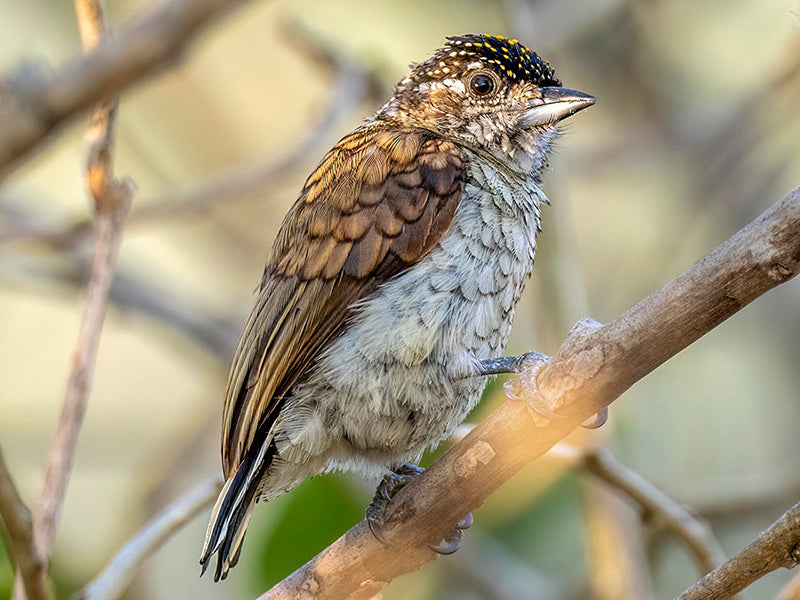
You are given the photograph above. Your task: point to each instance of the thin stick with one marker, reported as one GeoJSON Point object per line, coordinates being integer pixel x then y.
{"type": "Point", "coordinates": [778, 546]}
{"type": "Point", "coordinates": [111, 202]}
{"type": "Point", "coordinates": [115, 578]}
{"type": "Point", "coordinates": [17, 519]}
{"type": "Point", "coordinates": [591, 369]}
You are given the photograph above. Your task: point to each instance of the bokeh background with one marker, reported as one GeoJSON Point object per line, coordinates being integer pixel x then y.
{"type": "Point", "coordinates": [694, 134]}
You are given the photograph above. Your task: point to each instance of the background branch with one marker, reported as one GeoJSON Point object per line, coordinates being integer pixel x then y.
{"type": "Point", "coordinates": [657, 507]}
{"type": "Point", "coordinates": [111, 201]}
{"type": "Point", "coordinates": [591, 369]}
{"type": "Point", "coordinates": [120, 571]}
{"type": "Point", "coordinates": [778, 546]}
{"type": "Point", "coordinates": [32, 106]}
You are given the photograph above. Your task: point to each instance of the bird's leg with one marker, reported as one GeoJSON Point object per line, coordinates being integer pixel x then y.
{"type": "Point", "coordinates": [529, 364]}
{"type": "Point", "coordinates": [375, 514]}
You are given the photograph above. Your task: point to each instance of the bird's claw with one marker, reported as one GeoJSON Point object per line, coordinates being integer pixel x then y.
{"type": "Point", "coordinates": [375, 514]}
{"type": "Point", "coordinates": [452, 541]}
{"type": "Point", "coordinates": [597, 420]}
{"type": "Point", "coordinates": [524, 388]}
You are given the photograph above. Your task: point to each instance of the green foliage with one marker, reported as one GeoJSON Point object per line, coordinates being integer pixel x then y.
{"type": "Point", "coordinates": [313, 515]}
{"type": "Point", "coordinates": [6, 573]}
{"type": "Point", "coordinates": [548, 530]}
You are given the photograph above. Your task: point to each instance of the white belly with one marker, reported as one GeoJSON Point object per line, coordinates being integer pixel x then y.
{"type": "Point", "coordinates": [394, 383]}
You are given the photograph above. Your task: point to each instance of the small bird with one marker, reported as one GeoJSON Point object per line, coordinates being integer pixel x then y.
{"type": "Point", "coordinates": [392, 283]}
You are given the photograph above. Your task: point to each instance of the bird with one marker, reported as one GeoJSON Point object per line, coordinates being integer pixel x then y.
{"type": "Point", "coordinates": [391, 285]}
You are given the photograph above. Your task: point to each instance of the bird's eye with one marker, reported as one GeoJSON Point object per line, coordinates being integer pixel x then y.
{"type": "Point", "coordinates": [481, 85]}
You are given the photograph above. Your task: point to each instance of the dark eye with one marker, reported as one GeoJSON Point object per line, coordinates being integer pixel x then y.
{"type": "Point", "coordinates": [481, 85]}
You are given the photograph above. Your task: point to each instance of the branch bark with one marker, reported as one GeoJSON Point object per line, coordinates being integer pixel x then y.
{"type": "Point", "coordinates": [778, 546]}
{"type": "Point", "coordinates": [31, 568]}
{"type": "Point", "coordinates": [120, 571]}
{"type": "Point", "coordinates": [593, 367]}
{"type": "Point", "coordinates": [32, 107]}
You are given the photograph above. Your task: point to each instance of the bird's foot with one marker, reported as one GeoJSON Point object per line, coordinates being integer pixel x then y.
{"type": "Point", "coordinates": [523, 387]}
{"type": "Point", "coordinates": [375, 514]}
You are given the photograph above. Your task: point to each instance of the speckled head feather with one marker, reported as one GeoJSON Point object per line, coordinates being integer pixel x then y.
{"type": "Point", "coordinates": [506, 56]}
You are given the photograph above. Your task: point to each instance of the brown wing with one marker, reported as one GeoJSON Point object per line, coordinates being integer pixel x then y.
{"type": "Point", "coordinates": [378, 202]}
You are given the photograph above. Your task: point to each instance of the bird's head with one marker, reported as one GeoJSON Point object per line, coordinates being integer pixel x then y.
{"type": "Point", "coordinates": [488, 92]}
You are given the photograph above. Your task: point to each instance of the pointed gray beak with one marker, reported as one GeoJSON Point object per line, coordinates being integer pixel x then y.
{"type": "Point", "coordinates": [556, 103]}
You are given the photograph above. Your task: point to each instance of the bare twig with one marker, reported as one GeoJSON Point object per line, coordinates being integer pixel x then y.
{"type": "Point", "coordinates": [31, 567]}
{"type": "Point", "coordinates": [111, 202]}
{"type": "Point", "coordinates": [778, 546]}
{"type": "Point", "coordinates": [592, 368]}
{"type": "Point", "coordinates": [120, 571]}
{"type": "Point", "coordinates": [31, 107]}
{"type": "Point", "coordinates": [112, 199]}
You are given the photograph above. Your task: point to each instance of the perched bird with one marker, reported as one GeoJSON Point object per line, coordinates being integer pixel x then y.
{"type": "Point", "coordinates": [392, 281]}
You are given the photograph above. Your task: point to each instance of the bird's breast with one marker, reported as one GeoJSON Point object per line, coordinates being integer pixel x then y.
{"type": "Point", "coordinates": [395, 382]}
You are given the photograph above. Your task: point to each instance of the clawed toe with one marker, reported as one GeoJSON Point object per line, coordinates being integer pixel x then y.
{"type": "Point", "coordinates": [597, 420]}
{"type": "Point", "coordinates": [452, 541]}
{"type": "Point", "coordinates": [527, 367]}
{"type": "Point", "coordinates": [375, 515]}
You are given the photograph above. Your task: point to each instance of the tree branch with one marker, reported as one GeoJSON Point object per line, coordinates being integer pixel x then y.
{"type": "Point", "coordinates": [591, 369]}
{"type": "Point", "coordinates": [120, 571]}
{"type": "Point", "coordinates": [33, 106]}
{"type": "Point", "coordinates": [778, 546]}
{"type": "Point", "coordinates": [31, 568]}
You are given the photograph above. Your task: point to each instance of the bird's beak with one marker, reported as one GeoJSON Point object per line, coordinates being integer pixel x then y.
{"type": "Point", "coordinates": [555, 103]}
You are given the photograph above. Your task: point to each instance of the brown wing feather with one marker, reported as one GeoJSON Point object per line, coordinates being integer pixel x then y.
{"type": "Point", "coordinates": [378, 202]}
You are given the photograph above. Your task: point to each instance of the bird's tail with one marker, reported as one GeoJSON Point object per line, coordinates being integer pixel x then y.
{"type": "Point", "coordinates": [231, 513]}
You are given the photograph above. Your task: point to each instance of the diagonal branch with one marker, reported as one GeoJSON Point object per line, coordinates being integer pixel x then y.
{"type": "Point", "coordinates": [593, 367]}
{"type": "Point", "coordinates": [120, 571]}
{"type": "Point", "coordinates": [31, 568]}
{"type": "Point", "coordinates": [778, 546]}
{"type": "Point", "coordinates": [33, 106]}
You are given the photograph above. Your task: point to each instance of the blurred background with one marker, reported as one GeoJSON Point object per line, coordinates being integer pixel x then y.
{"type": "Point", "coordinates": [694, 134]}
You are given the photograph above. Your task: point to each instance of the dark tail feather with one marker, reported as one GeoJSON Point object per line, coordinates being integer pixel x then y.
{"type": "Point", "coordinates": [231, 513]}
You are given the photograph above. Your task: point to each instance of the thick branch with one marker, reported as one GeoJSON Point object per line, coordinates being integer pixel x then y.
{"type": "Point", "coordinates": [17, 519]}
{"type": "Point", "coordinates": [592, 368]}
{"type": "Point", "coordinates": [778, 546]}
{"type": "Point", "coordinates": [120, 571]}
{"type": "Point", "coordinates": [32, 107]}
